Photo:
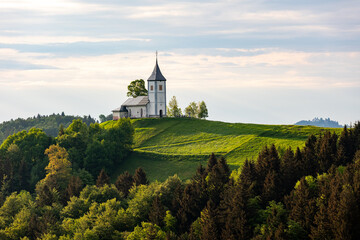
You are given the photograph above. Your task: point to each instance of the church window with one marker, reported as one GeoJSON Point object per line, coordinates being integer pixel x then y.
{"type": "Point", "coordinates": [151, 87]}
{"type": "Point", "coordinates": [160, 87]}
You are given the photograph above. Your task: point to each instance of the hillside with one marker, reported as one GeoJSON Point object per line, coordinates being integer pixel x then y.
{"type": "Point", "coordinates": [170, 146]}
{"type": "Point", "coordinates": [50, 124]}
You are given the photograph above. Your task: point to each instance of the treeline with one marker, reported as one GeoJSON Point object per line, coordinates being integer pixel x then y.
{"type": "Point", "coordinates": [320, 122]}
{"type": "Point", "coordinates": [49, 123]}
{"type": "Point", "coordinates": [88, 149]}
{"type": "Point", "coordinates": [309, 193]}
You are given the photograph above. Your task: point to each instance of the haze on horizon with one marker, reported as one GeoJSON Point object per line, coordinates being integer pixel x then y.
{"type": "Point", "coordinates": [274, 62]}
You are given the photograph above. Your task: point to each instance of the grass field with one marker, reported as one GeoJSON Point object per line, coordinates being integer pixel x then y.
{"type": "Point", "coordinates": [168, 146]}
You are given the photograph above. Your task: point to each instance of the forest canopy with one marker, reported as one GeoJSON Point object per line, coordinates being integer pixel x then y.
{"type": "Point", "coordinates": [308, 193]}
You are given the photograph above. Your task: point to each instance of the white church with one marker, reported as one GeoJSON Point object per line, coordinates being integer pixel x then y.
{"type": "Point", "coordinates": [153, 105]}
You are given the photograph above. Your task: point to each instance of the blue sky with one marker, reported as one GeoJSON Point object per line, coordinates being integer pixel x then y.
{"type": "Point", "coordinates": [274, 62]}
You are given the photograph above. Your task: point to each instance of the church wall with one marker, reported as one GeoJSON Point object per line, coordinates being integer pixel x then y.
{"type": "Point", "coordinates": [135, 112]}
{"type": "Point", "coordinates": [116, 115]}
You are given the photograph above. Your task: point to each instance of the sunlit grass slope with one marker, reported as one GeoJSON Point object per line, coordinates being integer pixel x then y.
{"type": "Point", "coordinates": [170, 146]}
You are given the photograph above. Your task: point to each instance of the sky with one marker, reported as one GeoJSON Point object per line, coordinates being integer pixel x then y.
{"type": "Point", "coordinates": [251, 61]}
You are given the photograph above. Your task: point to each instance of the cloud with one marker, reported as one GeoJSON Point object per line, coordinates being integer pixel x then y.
{"type": "Point", "coordinates": [263, 68]}
{"type": "Point", "coordinates": [53, 7]}
{"type": "Point", "coordinates": [39, 40]}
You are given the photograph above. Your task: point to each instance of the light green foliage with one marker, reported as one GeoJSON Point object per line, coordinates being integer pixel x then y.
{"type": "Point", "coordinates": [92, 193]}
{"type": "Point", "coordinates": [271, 218]}
{"type": "Point", "coordinates": [173, 108]}
{"type": "Point", "coordinates": [310, 180]}
{"type": "Point", "coordinates": [167, 146]}
{"type": "Point", "coordinates": [75, 208]}
{"type": "Point", "coordinates": [141, 198]}
{"type": "Point", "coordinates": [170, 222]}
{"type": "Point", "coordinates": [147, 231]}
{"type": "Point", "coordinates": [15, 215]}
{"type": "Point", "coordinates": [101, 221]}
{"type": "Point", "coordinates": [12, 205]}
{"type": "Point", "coordinates": [191, 110]}
{"type": "Point", "coordinates": [137, 88]}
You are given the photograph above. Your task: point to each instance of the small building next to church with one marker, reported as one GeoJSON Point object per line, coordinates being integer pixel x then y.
{"type": "Point", "coordinates": [153, 105]}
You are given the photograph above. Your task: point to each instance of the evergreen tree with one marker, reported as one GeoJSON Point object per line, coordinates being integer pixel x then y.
{"type": "Point", "coordinates": [211, 163]}
{"type": "Point", "coordinates": [124, 183]}
{"type": "Point", "coordinates": [208, 222]}
{"type": "Point", "coordinates": [157, 212]}
{"type": "Point", "coordinates": [140, 177]}
{"type": "Point", "coordinates": [102, 179]}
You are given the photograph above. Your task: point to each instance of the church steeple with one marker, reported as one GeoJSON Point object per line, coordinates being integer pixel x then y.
{"type": "Point", "coordinates": [156, 75]}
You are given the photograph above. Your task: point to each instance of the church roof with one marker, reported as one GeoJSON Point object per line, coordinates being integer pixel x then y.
{"type": "Point", "coordinates": [156, 75]}
{"type": "Point", "coordinates": [137, 101]}
{"type": "Point", "coordinates": [133, 102]}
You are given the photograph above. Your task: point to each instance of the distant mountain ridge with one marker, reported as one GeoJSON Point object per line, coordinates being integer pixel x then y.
{"type": "Point", "coordinates": [49, 123]}
{"type": "Point", "coordinates": [320, 122]}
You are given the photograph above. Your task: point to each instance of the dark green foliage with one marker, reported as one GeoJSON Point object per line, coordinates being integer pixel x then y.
{"type": "Point", "coordinates": [301, 195]}
{"type": "Point", "coordinates": [94, 147]}
{"type": "Point", "coordinates": [140, 177]}
{"type": "Point", "coordinates": [50, 124]}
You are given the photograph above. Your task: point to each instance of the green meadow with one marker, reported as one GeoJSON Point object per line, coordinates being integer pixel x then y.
{"type": "Point", "coordinates": [168, 146]}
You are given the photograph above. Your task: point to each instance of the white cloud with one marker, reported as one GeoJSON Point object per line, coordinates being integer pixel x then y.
{"type": "Point", "coordinates": [268, 67]}
{"type": "Point", "coordinates": [53, 7]}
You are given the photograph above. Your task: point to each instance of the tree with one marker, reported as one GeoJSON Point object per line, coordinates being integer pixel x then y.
{"type": "Point", "coordinates": [137, 88]}
{"type": "Point", "coordinates": [191, 110]}
{"type": "Point", "coordinates": [102, 179]}
{"type": "Point", "coordinates": [124, 182]}
{"type": "Point", "coordinates": [59, 168]}
{"type": "Point", "coordinates": [140, 177]}
{"type": "Point", "coordinates": [202, 110]}
{"type": "Point", "coordinates": [173, 109]}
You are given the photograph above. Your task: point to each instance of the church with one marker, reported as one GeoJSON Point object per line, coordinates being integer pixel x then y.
{"type": "Point", "coordinates": [152, 105]}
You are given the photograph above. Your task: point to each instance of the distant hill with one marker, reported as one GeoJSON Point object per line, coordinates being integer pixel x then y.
{"type": "Point", "coordinates": [50, 124]}
{"type": "Point", "coordinates": [168, 146]}
{"type": "Point", "coordinates": [320, 122]}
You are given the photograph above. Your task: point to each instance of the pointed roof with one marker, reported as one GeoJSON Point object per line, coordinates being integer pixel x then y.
{"type": "Point", "coordinates": [156, 75]}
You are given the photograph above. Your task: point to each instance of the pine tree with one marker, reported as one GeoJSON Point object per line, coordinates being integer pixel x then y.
{"type": "Point", "coordinates": [124, 183]}
{"type": "Point", "coordinates": [347, 215]}
{"type": "Point", "coordinates": [233, 214]}
{"type": "Point", "coordinates": [140, 177]}
{"type": "Point", "coordinates": [326, 149]}
{"type": "Point", "coordinates": [208, 222]}
{"type": "Point", "coordinates": [309, 159]}
{"type": "Point", "coordinates": [211, 163]}
{"type": "Point", "coordinates": [102, 179]}
{"type": "Point", "coordinates": [157, 212]}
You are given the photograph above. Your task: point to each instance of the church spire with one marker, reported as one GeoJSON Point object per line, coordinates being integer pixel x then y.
{"type": "Point", "coordinates": [156, 75]}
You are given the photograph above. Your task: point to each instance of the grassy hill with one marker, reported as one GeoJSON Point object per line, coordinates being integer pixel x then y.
{"type": "Point", "coordinates": [169, 146]}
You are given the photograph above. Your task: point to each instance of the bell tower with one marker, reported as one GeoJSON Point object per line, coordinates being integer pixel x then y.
{"type": "Point", "coordinates": [157, 92]}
